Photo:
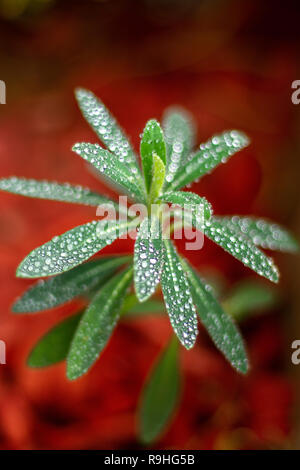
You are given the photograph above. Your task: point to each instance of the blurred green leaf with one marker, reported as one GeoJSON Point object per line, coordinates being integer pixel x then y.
{"type": "Point", "coordinates": [263, 233]}
{"type": "Point", "coordinates": [150, 306]}
{"type": "Point", "coordinates": [129, 304]}
{"type": "Point", "coordinates": [64, 287]}
{"type": "Point", "coordinates": [132, 306]}
{"type": "Point", "coordinates": [160, 394]}
{"type": "Point", "coordinates": [178, 298]}
{"type": "Point", "coordinates": [54, 345]}
{"type": "Point", "coordinates": [193, 203]}
{"type": "Point", "coordinates": [97, 325]}
{"type": "Point", "coordinates": [215, 280]}
{"type": "Point", "coordinates": [148, 258]}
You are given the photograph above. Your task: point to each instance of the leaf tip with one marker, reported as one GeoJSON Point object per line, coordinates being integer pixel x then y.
{"type": "Point", "coordinates": [30, 363]}
{"type": "Point", "coordinates": [71, 373]}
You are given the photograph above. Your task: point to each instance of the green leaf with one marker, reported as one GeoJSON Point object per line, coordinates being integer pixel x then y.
{"type": "Point", "coordinates": [108, 164]}
{"type": "Point", "coordinates": [97, 325]}
{"type": "Point", "coordinates": [219, 325]}
{"type": "Point", "coordinates": [72, 248]}
{"type": "Point", "coordinates": [249, 297]}
{"type": "Point", "coordinates": [129, 303]}
{"type": "Point", "coordinates": [54, 191]}
{"type": "Point", "coordinates": [65, 287]}
{"type": "Point", "coordinates": [107, 129]}
{"type": "Point", "coordinates": [196, 205]}
{"type": "Point", "coordinates": [263, 233]}
{"type": "Point", "coordinates": [148, 258]}
{"type": "Point", "coordinates": [152, 142]}
{"type": "Point", "coordinates": [216, 150]}
{"type": "Point", "coordinates": [239, 246]}
{"type": "Point", "coordinates": [53, 346]}
{"type": "Point", "coordinates": [148, 307]}
{"type": "Point", "coordinates": [160, 394]}
{"type": "Point", "coordinates": [178, 298]}
{"type": "Point", "coordinates": [158, 178]}
{"type": "Point", "coordinates": [132, 306]}
{"type": "Point", "coordinates": [179, 130]}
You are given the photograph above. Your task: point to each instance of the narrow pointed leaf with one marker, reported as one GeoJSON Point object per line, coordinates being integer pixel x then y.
{"type": "Point", "coordinates": [97, 325]}
{"type": "Point", "coordinates": [219, 325]}
{"type": "Point", "coordinates": [148, 258]}
{"type": "Point", "coordinates": [108, 164]}
{"type": "Point", "coordinates": [107, 129]}
{"type": "Point", "coordinates": [149, 307]}
{"type": "Point", "coordinates": [158, 177]}
{"type": "Point", "coordinates": [200, 209]}
{"type": "Point", "coordinates": [249, 297]}
{"type": "Point", "coordinates": [262, 232]}
{"type": "Point", "coordinates": [72, 248]}
{"type": "Point", "coordinates": [242, 248]}
{"type": "Point", "coordinates": [53, 347]}
{"type": "Point", "coordinates": [160, 394]}
{"type": "Point", "coordinates": [132, 306]}
{"type": "Point", "coordinates": [178, 298]}
{"type": "Point", "coordinates": [152, 142]}
{"type": "Point", "coordinates": [54, 191]}
{"type": "Point", "coordinates": [65, 287]}
{"type": "Point", "coordinates": [215, 151]}
{"type": "Point", "coordinates": [179, 131]}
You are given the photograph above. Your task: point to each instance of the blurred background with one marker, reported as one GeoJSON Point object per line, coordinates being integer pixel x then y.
{"type": "Point", "coordinates": [231, 64]}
